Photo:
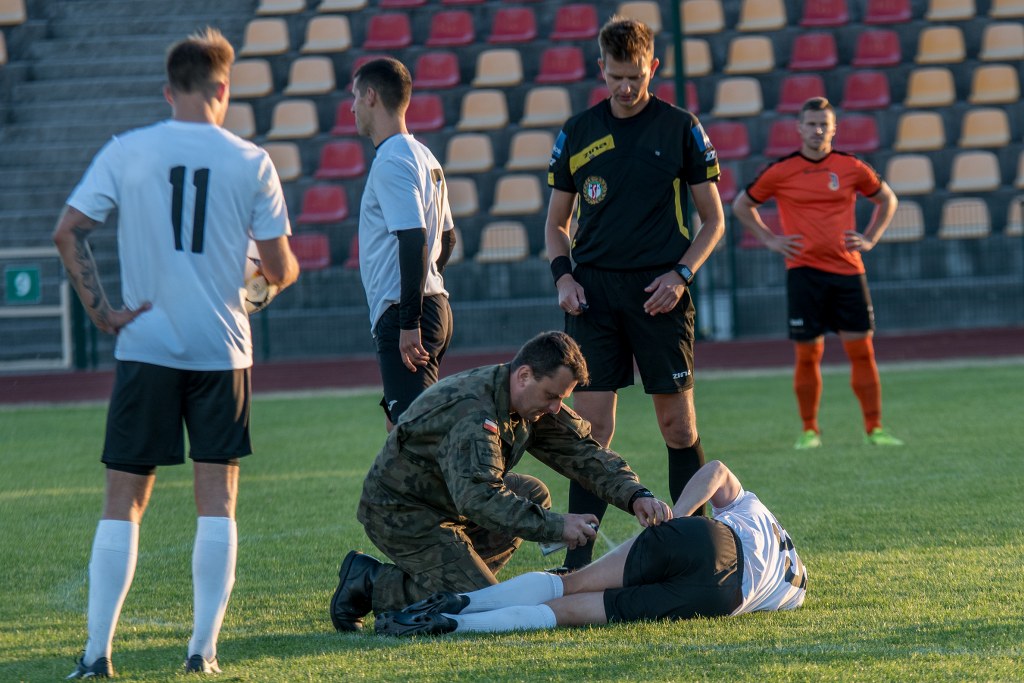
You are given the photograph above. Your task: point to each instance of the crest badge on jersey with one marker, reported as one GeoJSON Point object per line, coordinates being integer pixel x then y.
{"type": "Point", "coordinates": [833, 182]}
{"type": "Point", "coordinates": [594, 189]}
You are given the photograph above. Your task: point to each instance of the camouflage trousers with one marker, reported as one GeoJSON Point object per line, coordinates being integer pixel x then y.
{"type": "Point", "coordinates": [453, 557]}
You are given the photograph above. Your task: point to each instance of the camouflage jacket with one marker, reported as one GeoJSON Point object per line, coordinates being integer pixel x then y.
{"type": "Point", "coordinates": [445, 461]}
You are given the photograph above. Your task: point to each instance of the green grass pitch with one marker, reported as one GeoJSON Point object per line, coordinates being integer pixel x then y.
{"type": "Point", "coordinates": [915, 555]}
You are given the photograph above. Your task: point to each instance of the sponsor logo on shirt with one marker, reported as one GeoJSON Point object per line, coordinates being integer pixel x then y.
{"type": "Point", "coordinates": [681, 375]}
{"type": "Point", "coordinates": [833, 182]}
{"type": "Point", "coordinates": [594, 189]}
{"type": "Point", "coordinates": [586, 155]}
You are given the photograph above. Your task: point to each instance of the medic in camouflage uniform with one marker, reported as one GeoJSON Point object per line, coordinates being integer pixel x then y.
{"type": "Point", "coordinates": [440, 500]}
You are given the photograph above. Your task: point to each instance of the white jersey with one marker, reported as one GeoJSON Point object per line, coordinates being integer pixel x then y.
{"type": "Point", "coordinates": [773, 575]}
{"type": "Point", "coordinates": [405, 189]}
{"type": "Point", "coordinates": [189, 197]}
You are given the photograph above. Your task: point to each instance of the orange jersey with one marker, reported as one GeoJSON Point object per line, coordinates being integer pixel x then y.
{"type": "Point", "coordinates": [816, 199]}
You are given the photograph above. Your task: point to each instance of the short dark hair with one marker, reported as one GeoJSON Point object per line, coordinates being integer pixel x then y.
{"type": "Point", "coordinates": [548, 351]}
{"type": "Point", "coordinates": [816, 104]}
{"type": "Point", "coordinates": [390, 79]}
{"type": "Point", "coordinates": [199, 62]}
{"type": "Point", "coordinates": [626, 40]}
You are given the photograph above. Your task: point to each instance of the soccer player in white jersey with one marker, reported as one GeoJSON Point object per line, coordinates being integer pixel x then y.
{"type": "Point", "coordinates": [406, 236]}
{"type": "Point", "coordinates": [741, 560]}
{"type": "Point", "coordinates": [190, 196]}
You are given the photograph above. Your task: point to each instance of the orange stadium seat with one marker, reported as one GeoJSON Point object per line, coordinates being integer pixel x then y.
{"type": "Point", "coordinates": [824, 13]}
{"type": "Point", "coordinates": [436, 71]}
{"type": "Point", "coordinates": [783, 138]}
{"type": "Point", "coordinates": [561, 64]}
{"type": "Point", "coordinates": [344, 119]}
{"type": "Point", "coordinates": [293, 119]}
{"type": "Point", "coordinates": [265, 37]}
{"type": "Point", "coordinates": [12, 12]}
{"type": "Point", "coordinates": [389, 31]}
{"type": "Point", "coordinates": [451, 28]}
{"type": "Point", "coordinates": [341, 5]}
{"type": "Point", "coordinates": [462, 197]}
{"type": "Point", "coordinates": [950, 10]}
{"type": "Point", "coordinates": [469, 153]}
{"type": "Point", "coordinates": [483, 110]}
{"type": "Point", "coordinates": [310, 76]}
{"type": "Point", "coordinates": [530, 150]}
{"type": "Point", "coordinates": [985, 127]}
{"type": "Point", "coordinates": [1015, 217]}
{"type": "Point", "coordinates": [341, 159]}
{"type": "Point", "coordinates": [286, 158]}
{"type": "Point", "coordinates": [498, 68]}
{"type": "Point", "coordinates": [513, 25]}
{"type": "Point", "coordinates": [327, 34]}
{"type": "Point", "coordinates": [312, 250]}
{"type": "Point", "coordinates": [865, 90]}
{"type": "Point", "coordinates": [974, 171]}
{"type": "Point", "coordinates": [994, 84]}
{"type": "Point", "coordinates": [575, 22]}
{"type": "Point", "coordinates": [251, 78]}
{"type": "Point", "coordinates": [546, 106]}
{"type": "Point", "coordinates": [702, 17]}
{"type": "Point", "coordinates": [730, 138]}
{"type": "Point", "coordinates": [750, 55]}
{"type": "Point", "coordinates": [1002, 41]}
{"type": "Point", "coordinates": [281, 7]}
{"type": "Point", "coordinates": [324, 204]}
{"type": "Point", "coordinates": [814, 51]}
{"type": "Point", "coordinates": [797, 89]}
{"type": "Point", "coordinates": [857, 133]}
{"type": "Point", "coordinates": [931, 86]}
{"type": "Point", "coordinates": [887, 12]}
{"type": "Point", "coordinates": [877, 47]}
{"type": "Point", "coordinates": [502, 242]}
{"type": "Point", "coordinates": [1006, 9]}
{"type": "Point", "coordinates": [965, 218]}
{"type": "Point", "coordinates": [3, 49]}
{"type": "Point", "coordinates": [516, 194]}
{"type": "Point", "coordinates": [425, 113]}
{"type": "Point", "coordinates": [240, 119]}
{"type": "Point", "coordinates": [907, 223]}
{"type": "Point", "coordinates": [910, 174]}
{"type": "Point", "coordinates": [696, 58]}
{"type": "Point", "coordinates": [919, 131]}
{"type": "Point", "coordinates": [646, 11]}
{"type": "Point", "coordinates": [1019, 182]}
{"type": "Point", "coordinates": [738, 96]}
{"type": "Point", "coordinates": [762, 15]}
{"type": "Point", "coordinates": [940, 45]}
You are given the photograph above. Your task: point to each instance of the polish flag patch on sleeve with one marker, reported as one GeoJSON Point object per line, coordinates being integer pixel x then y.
{"type": "Point", "coordinates": [491, 426]}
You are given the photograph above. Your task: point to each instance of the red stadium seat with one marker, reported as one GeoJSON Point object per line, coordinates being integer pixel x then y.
{"type": "Point", "coordinates": [727, 187]}
{"type": "Point", "coordinates": [887, 12]}
{"type": "Point", "coordinates": [344, 119]}
{"type": "Point", "coordinates": [857, 133]}
{"type": "Point", "coordinates": [400, 4]}
{"type": "Point", "coordinates": [425, 114]}
{"type": "Point", "coordinates": [561, 64]}
{"type": "Point", "coordinates": [666, 90]}
{"type": "Point", "coordinates": [866, 90]}
{"type": "Point", "coordinates": [513, 25]}
{"type": "Point", "coordinates": [352, 262]}
{"type": "Point", "coordinates": [877, 47]}
{"type": "Point", "coordinates": [324, 204]}
{"type": "Point", "coordinates": [797, 89]}
{"type": "Point", "coordinates": [575, 22]}
{"type": "Point", "coordinates": [462, 2]}
{"type": "Point", "coordinates": [312, 250]}
{"type": "Point", "coordinates": [825, 13]}
{"type": "Point", "coordinates": [783, 138]}
{"type": "Point", "coordinates": [814, 52]}
{"type": "Point", "coordinates": [730, 139]}
{"type": "Point", "coordinates": [436, 71]}
{"type": "Point", "coordinates": [451, 28]}
{"type": "Point", "coordinates": [388, 31]}
{"type": "Point", "coordinates": [770, 217]}
{"type": "Point", "coordinates": [341, 159]}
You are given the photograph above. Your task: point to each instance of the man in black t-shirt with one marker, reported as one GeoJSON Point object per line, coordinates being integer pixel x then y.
{"type": "Point", "coordinates": [626, 163]}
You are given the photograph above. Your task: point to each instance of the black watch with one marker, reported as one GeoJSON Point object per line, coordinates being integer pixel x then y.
{"type": "Point", "coordinates": [684, 272]}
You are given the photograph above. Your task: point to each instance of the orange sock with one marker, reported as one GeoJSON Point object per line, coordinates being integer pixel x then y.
{"type": "Point", "coordinates": [864, 380]}
{"type": "Point", "coordinates": [807, 381]}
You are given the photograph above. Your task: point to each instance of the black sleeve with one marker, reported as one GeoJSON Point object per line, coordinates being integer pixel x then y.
{"type": "Point", "coordinates": [412, 264]}
{"type": "Point", "coordinates": [447, 247]}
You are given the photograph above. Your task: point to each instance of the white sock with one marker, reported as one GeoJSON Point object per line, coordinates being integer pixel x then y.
{"type": "Point", "coordinates": [115, 550]}
{"type": "Point", "coordinates": [533, 588]}
{"type": "Point", "coordinates": [213, 576]}
{"type": "Point", "coordinates": [515, 618]}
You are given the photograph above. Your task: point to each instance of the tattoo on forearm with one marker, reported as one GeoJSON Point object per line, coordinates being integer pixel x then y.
{"type": "Point", "coordinates": [88, 275]}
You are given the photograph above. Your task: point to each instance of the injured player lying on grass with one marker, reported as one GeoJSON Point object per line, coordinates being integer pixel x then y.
{"type": "Point", "coordinates": [741, 560]}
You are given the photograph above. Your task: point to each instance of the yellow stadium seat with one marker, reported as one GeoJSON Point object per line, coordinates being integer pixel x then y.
{"type": "Point", "coordinates": [469, 153]}
{"type": "Point", "coordinates": [1002, 42]}
{"type": "Point", "coordinates": [517, 194]}
{"type": "Point", "coordinates": [265, 37]}
{"type": "Point", "coordinates": [341, 5]}
{"type": "Point", "coordinates": [483, 110]}
{"type": "Point", "coordinates": [3, 49]}
{"type": "Point", "coordinates": [762, 15]}
{"type": "Point", "coordinates": [702, 16]}
{"type": "Point", "coordinates": [240, 119]}
{"type": "Point", "coordinates": [994, 84]}
{"type": "Point", "coordinates": [930, 87]}
{"type": "Point", "coordinates": [910, 174]}
{"type": "Point", "coordinates": [907, 223]}
{"type": "Point", "coordinates": [750, 55]}
{"type": "Point", "coordinates": [12, 12]}
{"type": "Point", "coordinates": [327, 34]}
{"type": "Point", "coordinates": [251, 78]}
{"type": "Point", "coordinates": [530, 150]}
{"type": "Point", "coordinates": [965, 218]}
{"type": "Point", "coordinates": [1006, 9]}
{"type": "Point", "coordinates": [974, 171]}
{"type": "Point", "coordinates": [497, 68]}
{"type": "Point", "coordinates": [281, 7]}
{"type": "Point", "coordinates": [950, 10]}
{"type": "Point", "coordinates": [918, 131]}
{"type": "Point", "coordinates": [738, 96]}
{"type": "Point", "coordinates": [985, 127]}
{"type": "Point", "coordinates": [286, 158]}
{"type": "Point", "coordinates": [546, 106]}
{"type": "Point", "coordinates": [696, 57]}
{"type": "Point", "coordinates": [310, 76]}
{"type": "Point", "coordinates": [462, 197]}
{"type": "Point", "coordinates": [503, 241]}
{"type": "Point", "coordinates": [292, 119]}
{"type": "Point", "coordinates": [646, 11]}
{"type": "Point", "coordinates": [1015, 217]}
{"type": "Point", "coordinates": [940, 45]}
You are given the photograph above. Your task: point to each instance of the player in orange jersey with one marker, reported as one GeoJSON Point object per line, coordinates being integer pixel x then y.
{"type": "Point", "coordinates": [816, 192]}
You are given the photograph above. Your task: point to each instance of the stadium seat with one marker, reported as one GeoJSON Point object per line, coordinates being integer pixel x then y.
{"type": "Point", "coordinates": [1015, 217]}
{"type": "Point", "coordinates": [483, 110]}
{"type": "Point", "coordinates": [974, 171]}
{"type": "Point", "coordinates": [327, 34]}
{"type": "Point", "coordinates": [240, 119]}
{"type": "Point", "coordinates": [887, 11]}
{"type": "Point", "coordinates": [462, 197]}
{"type": "Point", "coordinates": [797, 89]}
{"type": "Point", "coordinates": [750, 55]}
{"type": "Point", "coordinates": [293, 119]}
{"type": "Point", "coordinates": [497, 68]}
{"type": "Point", "coordinates": [930, 87]}
{"type": "Point", "coordinates": [344, 119]}
{"type": "Point", "coordinates": [920, 131]}
{"type": "Point", "coordinates": [458, 254]}
{"type": "Point", "coordinates": [1006, 9]}
{"type": "Point", "coordinates": [950, 10]}
{"type": "Point", "coordinates": [530, 150]}
{"type": "Point", "coordinates": [517, 194]}
{"type": "Point", "coordinates": [697, 58]}
{"type": "Point", "coordinates": [425, 113]}
{"type": "Point", "coordinates": [265, 37]}
{"type": "Point", "coordinates": [3, 49]}
{"type": "Point", "coordinates": [513, 25]}
{"type": "Point", "coordinates": [727, 187]}
{"type": "Point", "coordinates": [737, 96]}
{"type": "Point", "coordinates": [286, 158]}
{"type": "Point", "coordinates": [907, 223]}
{"type": "Point", "coordinates": [824, 13]}
{"type": "Point", "coordinates": [310, 76]}
{"type": "Point", "coordinates": [965, 218]}
{"type": "Point", "coordinates": [546, 106]}
{"type": "Point", "coordinates": [783, 138]}
{"type": "Point", "coordinates": [469, 153]}
{"type": "Point", "coordinates": [762, 15]}
{"type": "Point", "coordinates": [280, 7]}
{"type": "Point", "coordinates": [1019, 182]}
{"type": "Point", "coordinates": [1002, 42]}
{"type": "Point", "coordinates": [994, 84]}
{"type": "Point", "coordinates": [341, 159]}
{"type": "Point", "coordinates": [857, 133]}
{"type": "Point", "coordinates": [401, 4]}
{"type": "Point", "coordinates": [462, 2]}
{"type": "Point", "coordinates": [730, 138]}
{"type": "Point", "coordinates": [666, 90]}
{"type": "Point", "coordinates": [815, 51]}
{"type": "Point", "coordinates": [352, 260]}
{"type": "Point", "coordinates": [702, 17]}
{"type": "Point", "coordinates": [940, 45]}
{"type": "Point", "coordinates": [502, 242]}
{"type": "Point", "coordinates": [646, 11]}
{"type": "Point", "coordinates": [341, 5]}
{"type": "Point", "coordinates": [389, 31]}
{"type": "Point", "coordinates": [451, 28]}
{"type": "Point", "coordinates": [877, 47]}
{"type": "Point", "coordinates": [865, 90]}
{"type": "Point", "coordinates": [985, 127]}
{"type": "Point", "coordinates": [575, 22]}
{"type": "Point", "coordinates": [324, 204]}
{"type": "Point", "coordinates": [251, 78]}
{"type": "Point", "coordinates": [312, 250]}
{"type": "Point", "coordinates": [12, 12]}
{"type": "Point", "coordinates": [436, 71]}
{"type": "Point", "coordinates": [561, 64]}
{"type": "Point", "coordinates": [910, 174]}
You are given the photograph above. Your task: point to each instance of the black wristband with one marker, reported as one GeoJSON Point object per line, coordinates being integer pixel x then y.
{"type": "Point", "coordinates": [642, 493]}
{"type": "Point", "coordinates": [561, 265]}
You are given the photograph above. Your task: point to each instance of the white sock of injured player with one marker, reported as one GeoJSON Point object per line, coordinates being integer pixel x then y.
{"type": "Point", "coordinates": [534, 588]}
{"type": "Point", "coordinates": [515, 618]}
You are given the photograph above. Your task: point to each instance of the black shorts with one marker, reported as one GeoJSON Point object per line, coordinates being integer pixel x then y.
{"type": "Point", "coordinates": [821, 302]}
{"type": "Point", "coordinates": [400, 385]}
{"type": "Point", "coordinates": [615, 330]}
{"type": "Point", "coordinates": [150, 403]}
{"type": "Point", "coordinates": [684, 568]}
